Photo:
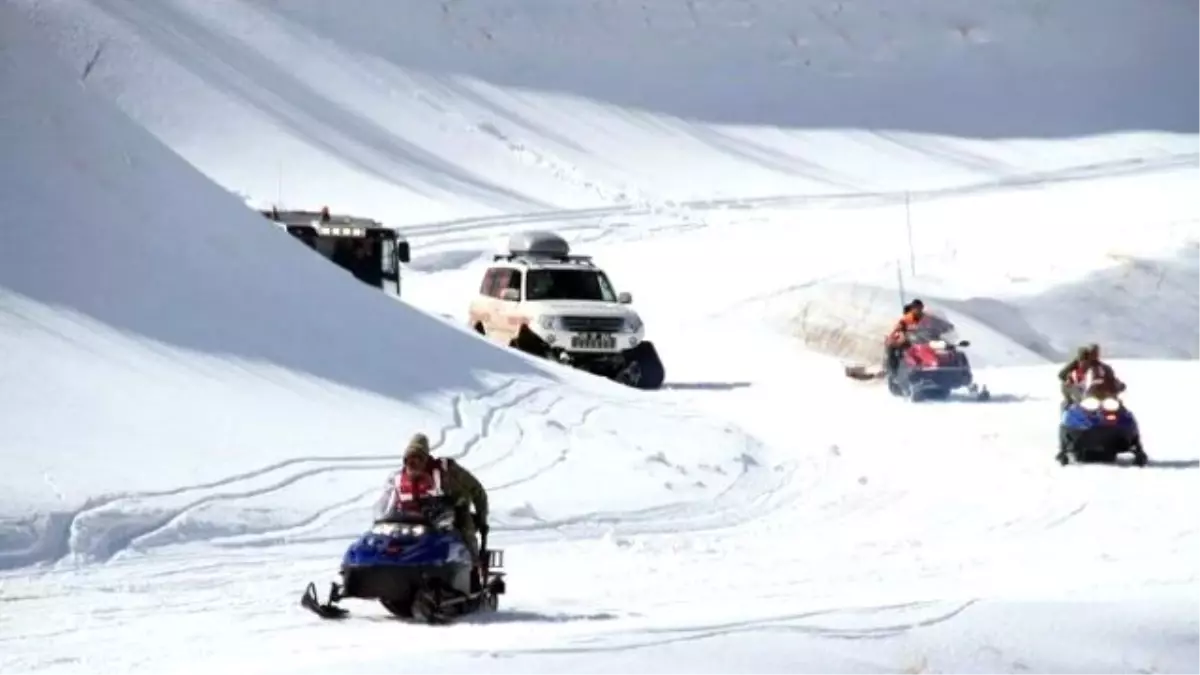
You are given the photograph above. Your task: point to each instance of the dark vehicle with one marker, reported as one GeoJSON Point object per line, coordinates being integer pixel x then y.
{"type": "Point", "coordinates": [416, 566]}
{"type": "Point", "coordinates": [366, 248]}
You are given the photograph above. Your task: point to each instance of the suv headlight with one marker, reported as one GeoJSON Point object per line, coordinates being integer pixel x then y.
{"type": "Point", "coordinates": [633, 323]}
{"type": "Point", "coordinates": [550, 322]}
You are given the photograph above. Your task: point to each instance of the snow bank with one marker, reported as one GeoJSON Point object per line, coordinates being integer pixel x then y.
{"type": "Point", "coordinates": [475, 108]}
{"type": "Point", "coordinates": [178, 369]}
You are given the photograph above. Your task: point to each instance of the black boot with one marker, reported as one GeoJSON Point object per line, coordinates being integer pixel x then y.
{"type": "Point", "coordinates": [893, 361]}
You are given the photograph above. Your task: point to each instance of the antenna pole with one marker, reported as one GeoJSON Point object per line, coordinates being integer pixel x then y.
{"type": "Point", "coordinates": [912, 256]}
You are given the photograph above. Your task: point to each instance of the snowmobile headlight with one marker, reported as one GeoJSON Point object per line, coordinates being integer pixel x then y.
{"type": "Point", "coordinates": [937, 344]}
{"type": "Point", "coordinates": [386, 529]}
{"type": "Point", "coordinates": [416, 530]}
{"type": "Point", "coordinates": [1111, 404]}
{"type": "Point", "coordinates": [1090, 404]}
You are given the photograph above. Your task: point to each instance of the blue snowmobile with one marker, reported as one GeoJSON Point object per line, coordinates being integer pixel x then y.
{"type": "Point", "coordinates": [1098, 429]}
{"type": "Point", "coordinates": [417, 566]}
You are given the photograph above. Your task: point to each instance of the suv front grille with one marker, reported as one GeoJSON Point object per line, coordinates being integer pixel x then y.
{"type": "Point", "coordinates": [593, 324]}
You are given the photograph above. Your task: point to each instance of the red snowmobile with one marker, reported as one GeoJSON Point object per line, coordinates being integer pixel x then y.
{"type": "Point", "coordinates": [929, 367]}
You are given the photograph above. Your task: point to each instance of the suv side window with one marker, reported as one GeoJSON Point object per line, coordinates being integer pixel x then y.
{"type": "Point", "coordinates": [514, 282]}
{"type": "Point", "coordinates": [485, 287]}
{"type": "Point", "coordinates": [500, 277]}
{"type": "Point", "coordinates": [495, 281]}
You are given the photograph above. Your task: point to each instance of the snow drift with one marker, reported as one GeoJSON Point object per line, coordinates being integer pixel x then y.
{"type": "Point", "coordinates": [177, 368]}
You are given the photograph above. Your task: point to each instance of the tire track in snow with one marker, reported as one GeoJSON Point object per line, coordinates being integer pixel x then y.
{"type": "Point", "coordinates": [869, 623]}
{"type": "Point", "coordinates": [104, 527]}
{"type": "Point", "coordinates": [305, 531]}
{"type": "Point", "coordinates": [715, 512]}
{"type": "Point", "coordinates": [435, 234]}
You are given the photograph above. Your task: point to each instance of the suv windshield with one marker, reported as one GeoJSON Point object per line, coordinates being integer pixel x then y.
{"type": "Point", "coordinates": [569, 284]}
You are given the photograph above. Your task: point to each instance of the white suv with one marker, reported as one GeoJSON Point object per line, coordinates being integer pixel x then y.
{"type": "Point", "coordinates": [539, 298]}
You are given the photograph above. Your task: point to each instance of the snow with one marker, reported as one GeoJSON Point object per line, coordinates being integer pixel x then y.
{"type": "Point", "coordinates": [196, 413]}
{"type": "Point", "coordinates": [472, 109]}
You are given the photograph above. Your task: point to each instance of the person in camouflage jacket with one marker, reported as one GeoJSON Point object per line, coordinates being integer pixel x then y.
{"type": "Point", "coordinates": [459, 485]}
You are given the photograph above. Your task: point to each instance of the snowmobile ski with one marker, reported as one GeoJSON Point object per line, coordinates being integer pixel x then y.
{"type": "Point", "coordinates": [326, 610]}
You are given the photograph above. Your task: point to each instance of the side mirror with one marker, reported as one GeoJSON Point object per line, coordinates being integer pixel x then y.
{"type": "Point", "coordinates": [510, 295]}
{"type": "Point", "coordinates": [402, 251]}
{"type": "Point", "coordinates": [964, 343]}
{"type": "Point", "coordinates": [624, 298]}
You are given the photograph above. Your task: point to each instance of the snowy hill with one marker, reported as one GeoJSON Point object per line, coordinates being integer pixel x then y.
{"type": "Point", "coordinates": [196, 413]}
{"type": "Point", "coordinates": [467, 108]}
{"type": "Point", "coordinates": [699, 109]}
{"type": "Point", "coordinates": [176, 367]}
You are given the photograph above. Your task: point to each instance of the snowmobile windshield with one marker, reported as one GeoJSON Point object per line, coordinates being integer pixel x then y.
{"type": "Point", "coordinates": [386, 504]}
{"type": "Point", "coordinates": [933, 328]}
{"type": "Point", "coordinates": [569, 284]}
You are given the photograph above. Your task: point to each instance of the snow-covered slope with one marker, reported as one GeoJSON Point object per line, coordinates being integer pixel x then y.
{"type": "Point", "coordinates": [466, 108]}
{"type": "Point", "coordinates": [176, 368]}
{"type": "Point", "coordinates": [653, 114]}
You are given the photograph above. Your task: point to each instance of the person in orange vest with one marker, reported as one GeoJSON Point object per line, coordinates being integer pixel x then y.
{"type": "Point", "coordinates": [897, 340]}
{"type": "Point", "coordinates": [1087, 375]}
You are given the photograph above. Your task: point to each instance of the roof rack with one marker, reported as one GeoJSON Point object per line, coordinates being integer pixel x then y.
{"type": "Point", "coordinates": [534, 260]}
{"type": "Point", "coordinates": [540, 247]}
{"type": "Point", "coordinates": [319, 218]}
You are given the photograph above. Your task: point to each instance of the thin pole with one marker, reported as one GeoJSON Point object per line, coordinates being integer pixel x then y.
{"type": "Point", "coordinates": [912, 255]}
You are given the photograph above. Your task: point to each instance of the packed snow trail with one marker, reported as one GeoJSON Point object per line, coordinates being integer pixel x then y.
{"type": "Point", "coordinates": [941, 523]}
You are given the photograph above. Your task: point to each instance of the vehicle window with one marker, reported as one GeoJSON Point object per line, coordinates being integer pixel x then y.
{"type": "Point", "coordinates": [499, 281]}
{"type": "Point", "coordinates": [485, 288]}
{"type": "Point", "coordinates": [514, 281]}
{"type": "Point", "coordinates": [569, 284]}
{"type": "Point", "coordinates": [388, 256]}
